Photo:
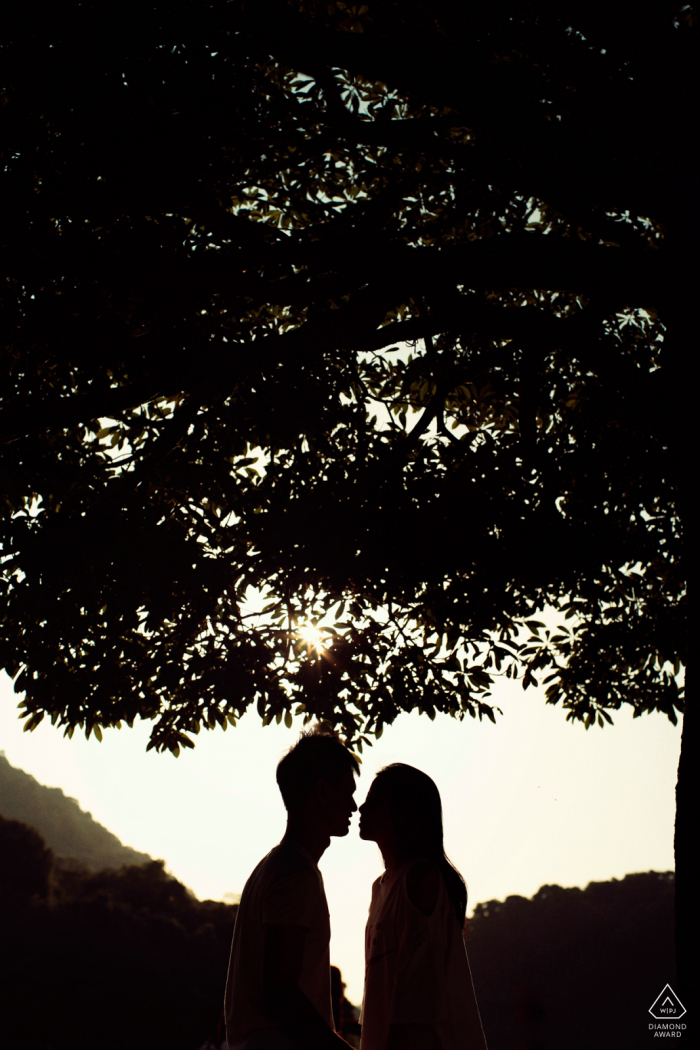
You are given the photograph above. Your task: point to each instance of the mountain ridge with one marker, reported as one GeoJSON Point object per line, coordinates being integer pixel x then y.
{"type": "Point", "coordinates": [66, 828]}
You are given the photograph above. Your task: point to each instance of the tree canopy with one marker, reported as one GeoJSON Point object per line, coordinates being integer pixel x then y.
{"type": "Point", "coordinates": [372, 317]}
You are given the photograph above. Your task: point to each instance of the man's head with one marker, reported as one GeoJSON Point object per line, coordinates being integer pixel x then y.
{"type": "Point", "coordinates": [317, 780]}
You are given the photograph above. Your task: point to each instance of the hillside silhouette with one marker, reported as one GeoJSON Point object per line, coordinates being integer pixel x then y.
{"type": "Point", "coordinates": [115, 958]}
{"type": "Point", "coordinates": [574, 968]}
{"type": "Point", "coordinates": [130, 957]}
{"type": "Point", "coordinates": [67, 829]}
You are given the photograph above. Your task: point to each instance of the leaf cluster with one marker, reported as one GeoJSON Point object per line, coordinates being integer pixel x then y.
{"type": "Point", "coordinates": [355, 315]}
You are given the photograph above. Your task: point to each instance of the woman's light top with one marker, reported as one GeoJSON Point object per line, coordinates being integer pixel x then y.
{"type": "Point", "coordinates": [416, 969]}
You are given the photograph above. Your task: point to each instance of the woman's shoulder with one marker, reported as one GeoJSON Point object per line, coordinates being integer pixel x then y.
{"type": "Point", "coordinates": [379, 887]}
{"type": "Point", "coordinates": [423, 885]}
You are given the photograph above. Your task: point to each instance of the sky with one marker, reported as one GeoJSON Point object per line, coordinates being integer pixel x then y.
{"type": "Point", "coordinates": [529, 801]}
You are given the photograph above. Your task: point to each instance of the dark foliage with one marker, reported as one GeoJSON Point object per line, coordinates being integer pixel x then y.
{"type": "Point", "coordinates": [113, 958]}
{"type": "Point", "coordinates": [574, 968]}
{"type": "Point", "coordinates": [131, 958]}
{"type": "Point", "coordinates": [219, 219]}
{"type": "Point", "coordinates": [67, 829]}
{"type": "Point", "coordinates": [25, 861]}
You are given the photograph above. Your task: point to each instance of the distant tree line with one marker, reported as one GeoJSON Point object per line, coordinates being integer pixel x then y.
{"type": "Point", "coordinates": [130, 958]}
{"type": "Point", "coordinates": [116, 958]}
{"type": "Point", "coordinates": [574, 968]}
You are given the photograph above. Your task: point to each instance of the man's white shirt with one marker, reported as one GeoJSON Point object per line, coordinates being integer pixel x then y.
{"type": "Point", "coordinates": [285, 888]}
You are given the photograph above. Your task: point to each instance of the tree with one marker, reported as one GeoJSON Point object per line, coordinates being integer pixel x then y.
{"type": "Point", "coordinates": [25, 861]}
{"type": "Point", "coordinates": [133, 945]}
{"type": "Point", "coordinates": [136, 946]}
{"type": "Point", "coordinates": [544, 969]}
{"type": "Point", "coordinates": [219, 230]}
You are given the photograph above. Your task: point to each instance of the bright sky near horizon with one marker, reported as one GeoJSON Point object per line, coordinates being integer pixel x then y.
{"type": "Point", "coordinates": [529, 801]}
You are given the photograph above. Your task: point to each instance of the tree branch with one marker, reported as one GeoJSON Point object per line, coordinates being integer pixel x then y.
{"type": "Point", "coordinates": [502, 100]}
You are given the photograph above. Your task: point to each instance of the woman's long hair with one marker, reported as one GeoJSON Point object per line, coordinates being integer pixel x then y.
{"type": "Point", "coordinates": [417, 811]}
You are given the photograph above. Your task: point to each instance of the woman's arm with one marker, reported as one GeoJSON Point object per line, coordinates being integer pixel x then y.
{"type": "Point", "coordinates": [422, 886]}
{"type": "Point", "coordinates": [475, 1030]}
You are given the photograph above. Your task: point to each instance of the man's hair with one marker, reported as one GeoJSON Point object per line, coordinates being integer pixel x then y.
{"type": "Point", "coordinates": [317, 755]}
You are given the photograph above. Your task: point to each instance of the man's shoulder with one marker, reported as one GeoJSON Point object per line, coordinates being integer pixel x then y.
{"type": "Point", "coordinates": [285, 861]}
{"type": "Point", "coordinates": [285, 888]}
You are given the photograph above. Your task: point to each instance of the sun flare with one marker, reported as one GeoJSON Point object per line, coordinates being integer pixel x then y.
{"type": "Point", "coordinates": [312, 636]}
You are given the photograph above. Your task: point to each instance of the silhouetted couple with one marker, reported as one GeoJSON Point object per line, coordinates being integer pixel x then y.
{"type": "Point", "coordinates": [418, 989]}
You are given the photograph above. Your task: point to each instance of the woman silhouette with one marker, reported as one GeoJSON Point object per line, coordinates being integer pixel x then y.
{"type": "Point", "coordinates": [418, 987]}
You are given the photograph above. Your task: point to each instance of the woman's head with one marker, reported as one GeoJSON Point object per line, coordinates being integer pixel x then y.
{"type": "Point", "coordinates": [403, 805]}
{"type": "Point", "coordinates": [404, 802]}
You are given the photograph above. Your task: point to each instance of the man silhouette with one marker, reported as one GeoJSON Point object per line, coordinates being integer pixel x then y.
{"type": "Point", "coordinates": [278, 990]}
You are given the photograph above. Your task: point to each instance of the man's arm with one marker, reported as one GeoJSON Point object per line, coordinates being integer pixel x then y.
{"type": "Point", "coordinates": [283, 952]}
